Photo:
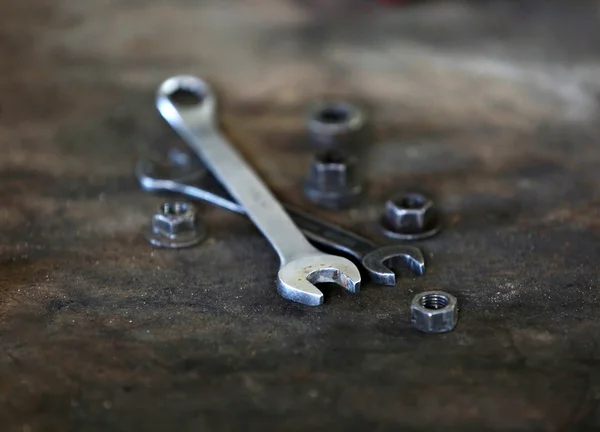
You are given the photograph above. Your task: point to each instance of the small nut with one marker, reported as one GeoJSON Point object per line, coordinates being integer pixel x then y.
{"type": "Point", "coordinates": [434, 312]}
{"type": "Point", "coordinates": [333, 180]}
{"type": "Point", "coordinates": [334, 123]}
{"type": "Point", "coordinates": [410, 216]}
{"type": "Point", "coordinates": [175, 226]}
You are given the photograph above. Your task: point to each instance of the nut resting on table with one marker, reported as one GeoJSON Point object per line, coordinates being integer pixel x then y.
{"type": "Point", "coordinates": [334, 123]}
{"type": "Point", "coordinates": [410, 216]}
{"type": "Point", "coordinates": [434, 312]}
{"type": "Point", "coordinates": [333, 180]}
{"type": "Point", "coordinates": [175, 226]}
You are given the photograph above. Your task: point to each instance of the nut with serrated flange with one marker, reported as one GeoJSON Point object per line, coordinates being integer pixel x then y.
{"type": "Point", "coordinates": [434, 312]}
{"type": "Point", "coordinates": [333, 180]}
{"type": "Point", "coordinates": [410, 216]}
{"type": "Point", "coordinates": [175, 226]}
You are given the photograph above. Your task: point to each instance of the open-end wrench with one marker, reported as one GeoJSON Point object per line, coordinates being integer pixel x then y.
{"type": "Point", "coordinates": [188, 104]}
{"type": "Point", "coordinates": [191, 180]}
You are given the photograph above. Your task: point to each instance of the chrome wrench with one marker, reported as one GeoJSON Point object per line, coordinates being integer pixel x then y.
{"type": "Point", "coordinates": [301, 264]}
{"type": "Point", "coordinates": [191, 180]}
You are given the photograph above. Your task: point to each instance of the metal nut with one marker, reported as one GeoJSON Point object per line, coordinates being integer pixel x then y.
{"type": "Point", "coordinates": [334, 123]}
{"type": "Point", "coordinates": [434, 312]}
{"type": "Point", "coordinates": [175, 226]}
{"type": "Point", "coordinates": [410, 216]}
{"type": "Point", "coordinates": [333, 180]}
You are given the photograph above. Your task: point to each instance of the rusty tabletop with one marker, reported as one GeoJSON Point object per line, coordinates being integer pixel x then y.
{"type": "Point", "coordinates": [491, 106]}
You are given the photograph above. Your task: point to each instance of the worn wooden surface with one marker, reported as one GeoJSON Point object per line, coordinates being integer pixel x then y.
{"type": "Point", "coordinates": [491, 107]}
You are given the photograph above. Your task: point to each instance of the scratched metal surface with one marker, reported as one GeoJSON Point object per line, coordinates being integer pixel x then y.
{"type": "Point", "coordinates": [491, 107]}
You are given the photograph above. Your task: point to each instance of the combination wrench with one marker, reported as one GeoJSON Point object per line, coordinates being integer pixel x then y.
{"type": "Point", "coordinates": [191, 180]}
{"type": "Point", "coordinates": [188, 104]}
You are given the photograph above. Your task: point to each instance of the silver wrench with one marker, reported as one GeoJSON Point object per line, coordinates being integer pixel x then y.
{"type": "Point", "coordinates": [191, 180]}
{"type": "Point", "coordinates": [301, 264]}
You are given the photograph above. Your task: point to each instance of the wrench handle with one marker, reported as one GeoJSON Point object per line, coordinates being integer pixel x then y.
{"type": "Point", "coordinates": [194, 122]}
{"type": "Point", "coordinates": [247, 189]}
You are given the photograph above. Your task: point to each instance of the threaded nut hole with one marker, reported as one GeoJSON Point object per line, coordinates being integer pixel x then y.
{"type": "Point", "coordinates": [332, 157]}
{"type": "Point", "coordinates": [174, 208]}
{"type": "Point", "coordinates": [334, 114]}
{"type": "Point", "coordinates": [411, 201]}
{"type": "Point", "coordinates": [434, 301]}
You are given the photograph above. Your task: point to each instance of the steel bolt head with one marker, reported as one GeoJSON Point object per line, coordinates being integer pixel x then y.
{"type": "Point", "coordinates": [333, 180]}
{"type": "Point", "coordinates": [434, 312]}
{"type": "Point", "coordinates": [175, 226]}
{"type": "Point", "coordinates": [410, 216]}
{"type": "Point", "coordinates": [334, 123]}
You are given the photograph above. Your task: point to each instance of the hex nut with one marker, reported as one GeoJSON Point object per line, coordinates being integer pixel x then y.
{"type": "Point", "coordinates": [175, 226]}
{"type": "Point", "coordinates": [333, 180]}
{"type": "Point", "coordinates": [434, 312]}
{"type": "Point", "coordinates": [410, 216]}
{"type": "Point", "coordinates": [334, 123]}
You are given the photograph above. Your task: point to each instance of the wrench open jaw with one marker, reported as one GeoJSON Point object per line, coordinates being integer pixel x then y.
{"type": "Point", "coordinates": [188, 104]}
{"type": "Point", "coordinates": [378, 261]}
{"type": "Point", "coordinates": [296, 279]}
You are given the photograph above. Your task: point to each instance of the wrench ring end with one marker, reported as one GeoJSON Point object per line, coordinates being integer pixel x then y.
{"type": "Point", "coordinates": [185, 93]}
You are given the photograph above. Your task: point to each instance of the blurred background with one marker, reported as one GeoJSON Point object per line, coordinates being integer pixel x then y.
{"type": "Point", "coordinates": [491, 105]}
